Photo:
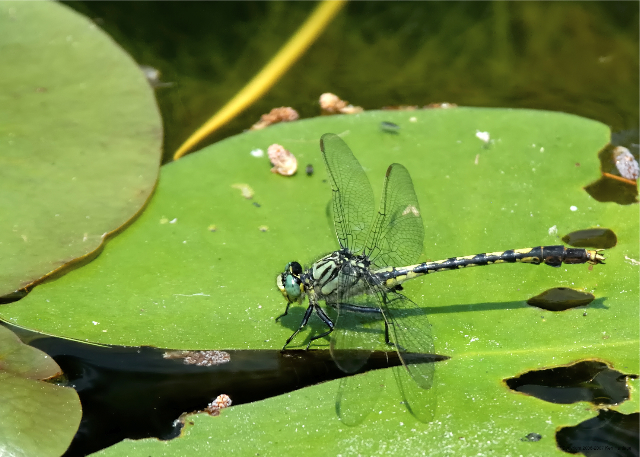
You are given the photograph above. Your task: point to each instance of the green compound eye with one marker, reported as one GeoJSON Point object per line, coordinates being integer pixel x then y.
{"type": "Point", "coordinates": [292, 286]}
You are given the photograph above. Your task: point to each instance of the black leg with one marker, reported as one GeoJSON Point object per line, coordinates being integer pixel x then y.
{"type": "Point", "coordinates": [386, 334]}
{"type": "Point", "coordinates": [305, 319]}
{"type": "Point", "coordinates": [388, 340]}
{"type": "Point", "coordinates": [286, 311]}
{"type": "Point", "coordinates": [328, 322]}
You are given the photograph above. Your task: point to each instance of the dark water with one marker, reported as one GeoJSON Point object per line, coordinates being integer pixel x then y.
{"type": "Point", "coordinates": [138, 392]}
{"type": "Point", "coordinates": [576, 57]}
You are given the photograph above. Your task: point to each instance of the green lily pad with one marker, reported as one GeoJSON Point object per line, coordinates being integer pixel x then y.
{"type": "Point", "coordinates": [81, 136]}
{"type": "Point", "coordinates": [38, 418]}
{"type": "Point", "coordinates": [475, 414]}
{"type": "Point", "coordinates": [197, 271]}
{"type": "Point", "coordinates": [23, 360]}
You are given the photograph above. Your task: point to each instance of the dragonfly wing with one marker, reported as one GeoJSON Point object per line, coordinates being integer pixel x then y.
{"type": "Point", "coordinates": [410, 331]}
{"type": "Point", "coordinates": [421, 403]}
{"type": "Point", "coordinates": [358, 329]}
{"type": "Point", "coordinates": [358, 395]}
{"type": "Point", "coordinates": [397, 234]}
{"type": "Point", "coordinates": [353, 203]}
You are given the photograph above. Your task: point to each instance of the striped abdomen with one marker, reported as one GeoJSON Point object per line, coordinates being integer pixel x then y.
{"type": "Point", "coordinates": [550, 255]}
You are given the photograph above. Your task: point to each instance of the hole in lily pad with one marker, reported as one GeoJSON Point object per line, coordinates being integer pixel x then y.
{"type": "Point", "coordinates": [610, 190]}
{"type": "Point", "coordinates": [599, 238]}
{"type": "Point", "coordinates": [587, 380]}
{"type": "Point", "coordinates": [612, 187]}
{"type": "Point", "coordinates": [609, 434]}
{"type": "Point", "coordinates": [560, 299]}
{"type": "Point", "coordinates": [139, 392]}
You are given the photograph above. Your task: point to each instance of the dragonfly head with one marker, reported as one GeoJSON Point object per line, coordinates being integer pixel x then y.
{"type": "Point", "coordinates": [290, 283]}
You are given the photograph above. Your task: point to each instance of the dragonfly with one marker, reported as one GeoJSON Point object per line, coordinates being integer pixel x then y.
{"type": "Point", "coordinates": [363, 280]}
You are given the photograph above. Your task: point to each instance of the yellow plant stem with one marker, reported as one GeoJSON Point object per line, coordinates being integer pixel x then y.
{"type": "Point", "coordinates": [263, 81]}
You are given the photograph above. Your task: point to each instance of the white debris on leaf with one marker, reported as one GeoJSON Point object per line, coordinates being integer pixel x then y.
{"type": "Point", "coordinates": [553, 231]}
{"type": "Point", "coordinates": [245, 189]}
{"type": "Point", "coordinates": [282, 114]}
{"type": "Point", "coordinates": [573, 208]}
{"type": "Point", "coordinates": [484, 136]}
{"type": "Point", "coordinates": [626, 164]}
{"type": "Point", "coordinates": [332, 104]}
{"type": "Point", "coordinates": [284, 163]}
{"type": "Point", "coordinates": [257, 152]}
{"type": "Point", "coordinates": [222, 401]}
{"type": "Point", "coordinates": [199, 358]}
{"type": "Point", "coordinates": [631, 261]}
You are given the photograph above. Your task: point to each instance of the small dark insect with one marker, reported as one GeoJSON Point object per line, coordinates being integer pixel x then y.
{"type": "Point", "coordinates": [309, 170]}
{"type": "Point", "coordinates": [389, 127]}
{"type": "Point", "coordinates": [256, 204]}
{"type": "Point", "coordinates": [532, 437]}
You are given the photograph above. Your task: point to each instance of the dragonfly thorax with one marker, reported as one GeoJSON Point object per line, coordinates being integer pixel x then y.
{"type": "Point", "coordinates": [321, 279]}
{"type": "Point", "coordinates": [338, 276]}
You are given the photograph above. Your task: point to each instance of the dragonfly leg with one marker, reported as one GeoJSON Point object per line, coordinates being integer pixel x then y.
{"type": "Point", "coordinates": [387, 340]}
{"type": "Point", "coordinates": [286, 311]}
{"type": "Point", "coordinates": [305, 319]}
{"type": "Point", "coordinates": [359, 309]}
{"type": "Point", "coordinates": [328, 322]}
{"type": "Point", "coordinates": [386, 334]}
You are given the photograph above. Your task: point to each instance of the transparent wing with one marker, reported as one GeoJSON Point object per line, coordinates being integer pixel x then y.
{"type": "Point", "coordinates": [353, 204]}
{"type": "Point", "coordinates": [410, 331]}
{"type": "Point", "coordinates": [421, 403]}
{"type": "Point", "coordinates": [358, 395]}
{"type": "Point", "coordinates": [356, 336]}
{"type": "Point", "coordinates": [397, 233]}
{"type": "Point", "coordinates": [359, 324]}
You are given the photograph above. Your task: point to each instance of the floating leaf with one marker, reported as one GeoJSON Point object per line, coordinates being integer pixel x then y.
{"type": "Point", "coordinates": [81, 137]}
{"type": "Point", "coordinates": [38, 418]}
